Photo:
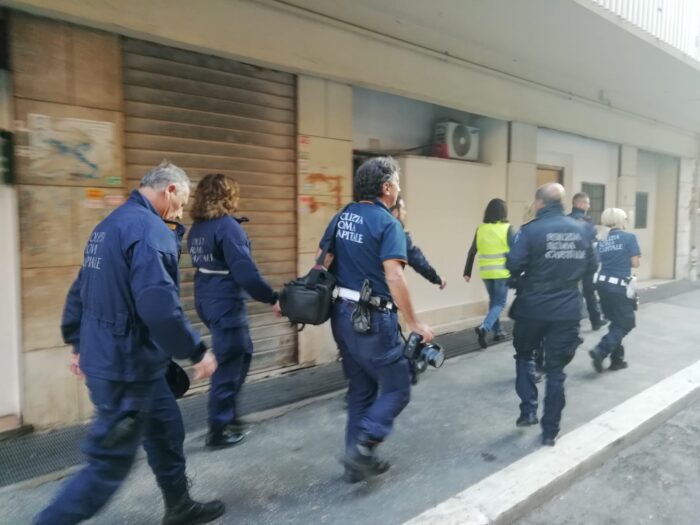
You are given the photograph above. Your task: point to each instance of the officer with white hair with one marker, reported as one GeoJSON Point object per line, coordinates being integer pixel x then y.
{"type": "Point", "coordinates": [124, 319]}
{"type": "Point", "coordinates": [618, 253]}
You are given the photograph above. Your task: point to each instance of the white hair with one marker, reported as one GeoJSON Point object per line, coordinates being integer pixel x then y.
{"type": "Point", "coordinates": [614, 218]}
{"type": "Point", "coordinates": [165, 174]}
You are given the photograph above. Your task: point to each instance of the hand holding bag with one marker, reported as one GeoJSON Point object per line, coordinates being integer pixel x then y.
{"type": "Point", "coordinates": [308, 299]}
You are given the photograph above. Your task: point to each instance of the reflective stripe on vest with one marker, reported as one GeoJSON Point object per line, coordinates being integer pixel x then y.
{"type": "Point", "coordinates": [492, 248]}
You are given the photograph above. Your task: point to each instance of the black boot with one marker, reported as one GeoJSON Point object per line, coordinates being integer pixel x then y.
{"type": "Point", "coordinates": [526, 420]}
{"type": "Point", "coordinates": [181, 509]}
{"type": "Point", "coordinates": [617, 359]}
{"type": "Point", "coordinates": [237, 426]}
{"type": "Point", "coordinates": [596, 360]}
{"type": "Point", "coordinates": [481, 336]}
{"type": "Point", "coordinates": [361, 462]}
{"type": "Point", "coordinates": [223, 438]}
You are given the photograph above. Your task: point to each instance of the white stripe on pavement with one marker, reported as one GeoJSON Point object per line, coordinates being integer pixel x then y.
{"type": "Point", "coordinates": [513, 491]}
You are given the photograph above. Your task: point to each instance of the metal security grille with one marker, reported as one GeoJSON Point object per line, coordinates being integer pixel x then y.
{"type": "Point", "coordinates": [212, 115]}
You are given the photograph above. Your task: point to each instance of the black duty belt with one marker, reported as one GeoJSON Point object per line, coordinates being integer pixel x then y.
{"type": "Point", "coordinates": [375, 301]}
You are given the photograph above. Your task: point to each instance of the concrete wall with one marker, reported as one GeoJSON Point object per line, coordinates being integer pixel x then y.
{"type": "Point", "coordinates": [324, 184]}
{"type": "Point", "coordinates": [381, 121]}
{"type": "Point", "coordinates": [276, 35]}
{"type": "Point", "coordinates": [583, 160]}
{"type": "Point", "coordinates": [67, 92]}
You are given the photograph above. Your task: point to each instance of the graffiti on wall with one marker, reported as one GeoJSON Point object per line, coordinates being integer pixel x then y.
{"type": "Point", "coordinates": [70, 147]}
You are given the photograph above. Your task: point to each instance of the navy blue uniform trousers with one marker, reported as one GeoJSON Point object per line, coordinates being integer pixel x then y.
{"type": "Point", "coordinates": [233, 349]}
{"type": "Point", "coordinates": [379, 374]}
{"type": "Point", "coordinates": [620, 311]}
{"type": "Point", "coordinates": [158, 427]}
{"type": "Point", "coordinates": [560, 340]}
{"type": "Point", "coordinates": [591, 299]}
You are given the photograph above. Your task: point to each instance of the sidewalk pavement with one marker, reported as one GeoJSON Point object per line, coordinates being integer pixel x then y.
{"type": "Point", "coordinates": [458, 429]}
{"type": "Point", "coordinates": [656, 480]}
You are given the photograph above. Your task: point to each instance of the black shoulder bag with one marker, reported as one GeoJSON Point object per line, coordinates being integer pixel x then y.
{"type": "Point", "coordinates": [308, 299]}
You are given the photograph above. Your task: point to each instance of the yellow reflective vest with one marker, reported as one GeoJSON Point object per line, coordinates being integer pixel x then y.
{"type": "Point", "coordinates": [492, 248]}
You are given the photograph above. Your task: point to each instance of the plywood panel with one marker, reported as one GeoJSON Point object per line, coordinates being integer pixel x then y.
{"type": "Point", "coordinates": [40, 51]}
{"type": "Point", "coordinates": [96, 69]}
{"type": "Point", "coordinates": [67, 145]}
{"type": "Point", "coordinates": [56, 221]}
{"type": "Point", "coordinates": [43, 296]}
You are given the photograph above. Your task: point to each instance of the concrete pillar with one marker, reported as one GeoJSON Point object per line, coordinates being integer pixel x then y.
{"type": "Point", "coordinates": [626, 182]}
{"type": "Point", "coordinates": [324, 184]}
{"type": "Point", "coordinates": [687, 206]}
{"type": "Point", "coordinates": [521, 171]}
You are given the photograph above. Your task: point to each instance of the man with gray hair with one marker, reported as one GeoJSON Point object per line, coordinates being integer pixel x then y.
{"type": "Point", "coordinates": [549, 256]}
{"type": "Point", "coordinates": [124, 320]}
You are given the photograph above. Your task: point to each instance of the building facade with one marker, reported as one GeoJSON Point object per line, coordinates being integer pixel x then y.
{"type": "Point", "coordinates": [281, 95]}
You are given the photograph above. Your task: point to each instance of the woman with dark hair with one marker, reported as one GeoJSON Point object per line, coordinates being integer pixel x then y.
{"type": "Point", "coordinates": [416, 259]}
{"type": "Point", "coordinates": [492, 242]}
{"type": "Point", "coordinates": [226, 275]}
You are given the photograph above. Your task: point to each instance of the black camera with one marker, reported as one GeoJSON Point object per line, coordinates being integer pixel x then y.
{"type": "Point", "coordinates": [421, 354]}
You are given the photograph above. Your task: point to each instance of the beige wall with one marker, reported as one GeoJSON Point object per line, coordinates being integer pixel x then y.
{"type": "Point", "coordinates": [446, 201]}
{"type": "Point", "coordinates": [60, 72]}
{"type": "Point", "coordinates": [324, 184]}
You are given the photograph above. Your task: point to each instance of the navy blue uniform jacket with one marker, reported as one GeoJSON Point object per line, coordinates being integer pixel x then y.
{"type": "Point", "coordinates": [419, 263]}
{"type": "Point", "coordinates": [553, 252]}
{"type": "Point", "coordinates": [123, 312]}
{"type": "Point", "coordinates": [221, 245]}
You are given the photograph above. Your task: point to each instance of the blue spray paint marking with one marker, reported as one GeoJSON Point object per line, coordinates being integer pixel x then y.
{"type": "Point", "coordinates": [79, 152]}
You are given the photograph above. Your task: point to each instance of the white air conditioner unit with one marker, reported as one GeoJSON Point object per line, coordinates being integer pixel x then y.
{"type": "Point", "coordinates": [453, 140]}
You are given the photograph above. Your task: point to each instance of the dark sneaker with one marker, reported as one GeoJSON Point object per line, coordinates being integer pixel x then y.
{"type": "Point", "coordinates": [481, 336]}
{"type": "Point", "coordinates": [598, 325]}
{"type": "Point", "coordinates": [526, 420]}
{"type": "Point", "coordinates": [499, 336]}
{"type": "Point", "coordinates": [223, 438]}
{"type": "Point", "coordinates": [548, 441]}
{"type": "Point", "coordinates": [597, 361]}
{"type": "Point", "coordinates": [617, 365]}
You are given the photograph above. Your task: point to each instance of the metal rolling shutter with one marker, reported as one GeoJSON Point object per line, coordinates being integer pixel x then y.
{"type": "Point", "coordinates": [212, 115]}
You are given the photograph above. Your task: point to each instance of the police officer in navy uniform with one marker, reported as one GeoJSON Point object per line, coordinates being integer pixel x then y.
{"type": "Point", "coordinates": [552, 253]}
{"type": "Point", "coordinates": [370, 244]}
{"type": "Point", "coordinates": [416, 259]}
{"type": "Point", "coordinates": [124, 319]}
{"type": "Point", "coordinates": [226, 276]}
{"type": "Point", "coordinates": [619, 252]}
{"type": "Point", "coordinates": [579, 210]}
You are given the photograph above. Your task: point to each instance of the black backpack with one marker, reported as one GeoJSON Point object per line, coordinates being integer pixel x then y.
{"type": "Point", "coordinates": [308, 299]}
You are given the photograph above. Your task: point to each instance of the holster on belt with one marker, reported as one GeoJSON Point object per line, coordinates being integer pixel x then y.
{"type": "Point", "coordinates": [361, 315]}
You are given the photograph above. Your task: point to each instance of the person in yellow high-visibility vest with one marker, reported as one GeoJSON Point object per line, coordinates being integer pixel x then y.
{"type": "Point", "coordinates": [492, 243]}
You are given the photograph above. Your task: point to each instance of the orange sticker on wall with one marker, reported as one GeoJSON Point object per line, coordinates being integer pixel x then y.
{"type": "Point", "coordinates": [94, 193]}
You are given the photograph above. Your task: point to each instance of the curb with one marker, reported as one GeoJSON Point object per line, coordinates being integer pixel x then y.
{"type": "Point", "coordinates": [517, 489]}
